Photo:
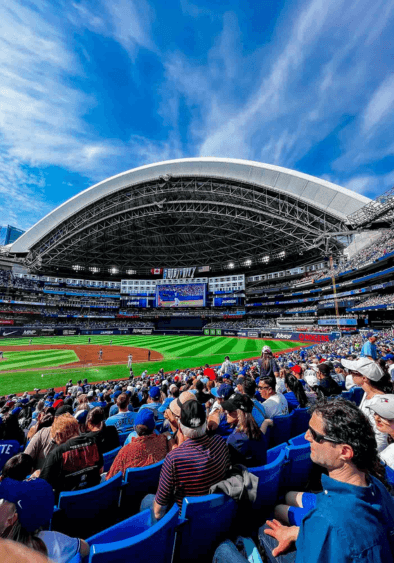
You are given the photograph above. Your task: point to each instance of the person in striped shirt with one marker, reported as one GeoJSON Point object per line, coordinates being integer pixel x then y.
{"type": "Point", "coordinates": [198, 463]}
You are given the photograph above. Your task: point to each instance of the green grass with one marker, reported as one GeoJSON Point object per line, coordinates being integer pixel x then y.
{"type": "Point", "coordinates": [179, 352]}
{"type": "Point", "coordinates": [36, 359]}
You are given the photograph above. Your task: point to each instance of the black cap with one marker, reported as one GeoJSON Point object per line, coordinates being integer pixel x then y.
{"type": "Point", "coordinates": [238, 401]}
{"type": "Point", "coordinates": [193, 414]}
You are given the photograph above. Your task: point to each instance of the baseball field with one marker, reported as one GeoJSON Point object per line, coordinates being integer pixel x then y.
{"type": "Point", "coordinates": [50, 361]}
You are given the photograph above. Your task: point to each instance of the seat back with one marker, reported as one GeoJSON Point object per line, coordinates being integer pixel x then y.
{"type": "Point", "coordinates": [83, 513]}
{"type": "Point", "coordinates": [346, 395]}
{"type": "Point", "coordinates": [299, 440]}
{"type": "Point", "coordinates": [205, 522]}
{"type": "Point", "coordinates": [298, 467]}
{"type": "Point", "coordinates": [273, 453]}
{"type": "Point", "coordinates": [300, 421]}
{"type": "Point", "coordinates": [357, 396]}
{"type": "Point", "coordinates": [281, 430]}
{"type": "Point", "coordinates": [8, 448]}
{"type": "Point", "coordinates": [139, 481]}
{"type": "Point", "coordinates": [136, 540]}
{"type": "Point", "coordinates": [269, 481]}
{"type": "Point", "coordinates": [109, 457]}
{"type": "Point", "coordinates": [123, 437]}
{"type": "Point", "coordinates": [390, 475]}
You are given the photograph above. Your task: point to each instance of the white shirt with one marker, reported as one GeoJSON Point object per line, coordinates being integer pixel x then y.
{"type": "Point", "coordinates": [349, 383]}
{"type": "Point", "coordinates": [387, 455]}
{"type": "Point", "coordinates": [61, 548]}
{"type": "Point", "coordinates": [276, 406]}
{"type": "Point", "coordinates": [280, 385]}
{"type": "Point", "coordinates": [391, 371]}
{"type": "Point", "coordinates": [381, 438]}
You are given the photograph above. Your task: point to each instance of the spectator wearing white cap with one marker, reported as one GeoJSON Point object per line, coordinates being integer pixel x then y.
{"type": "Point", "coordinates": [368, 375]}
{"type": "Point", "coordinates": [383, 412]}
{"type": "Point", "coordinates": [267, 363]}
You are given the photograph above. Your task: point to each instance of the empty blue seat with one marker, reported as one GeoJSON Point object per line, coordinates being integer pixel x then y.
{"type": "Point", "coordinates": [135, 540]}
{"type": "Point", "coordinates": [138, 482]}
{"type": "Point", "coordinates": [273, 453]}
{"type": "Point", "coordinates": [269, 481]}
{"type": "Point", "coordinates": [204, 522]}
{"type": "Point", "coordinates": [346, 395]}
{"type": "Point", "coordinates": [109, 458]}
{"type": "Point", "coordinates": [83, 513]}
{"type": "Point", "coordinates": [8, 448]}
{"type": "Point", "coordinates": [297, 468]}
{"type": "Point", "coordinates": [299, 440]}
{"type": "Point", "coordinates": [300, 421]}
{"type": "Point", "coordinates": [281, 430]}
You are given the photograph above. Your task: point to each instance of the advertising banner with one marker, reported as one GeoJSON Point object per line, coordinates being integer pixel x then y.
{"type": "Point", "coordinates": [253, 334]}
{"type": "Point", "coordinates": [141, 331]}
{"type": "Point", "coordinates": [16, 332]}
{"type": "Point", "coordinates": [206, 332]}
{"type": "Point", "coordinates": [226, 301]}
{"type": "Point", "coordinates": [7, 322]}
{"type": "Point", "coordinates": [218, 332]}
{"type": "Point", "coordinates": [347, 322]}
{"type": "Point", "coordinates": [306, 336]}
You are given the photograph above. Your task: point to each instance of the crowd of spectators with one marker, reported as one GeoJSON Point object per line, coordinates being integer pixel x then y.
{"type": "Point", "coordinates": [202, 422]}
{"type": "Point", "coordinates": [387, 299]}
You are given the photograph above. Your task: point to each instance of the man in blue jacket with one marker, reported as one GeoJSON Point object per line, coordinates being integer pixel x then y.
{"type": "Point", "coordinates": [353, 518]}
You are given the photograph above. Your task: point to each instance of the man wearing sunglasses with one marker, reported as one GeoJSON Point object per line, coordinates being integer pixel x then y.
{"type": "Point", "coordinates": [353, 517]}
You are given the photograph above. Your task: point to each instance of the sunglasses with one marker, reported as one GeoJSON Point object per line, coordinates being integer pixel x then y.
{"type": "Point", "coordinates": [319, 438]}
{"type": "Point", "coordinates": [387, 420]}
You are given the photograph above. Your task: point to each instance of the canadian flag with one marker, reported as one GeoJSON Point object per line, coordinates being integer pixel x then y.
{"type": "Point", "coordinates": [156, 271]}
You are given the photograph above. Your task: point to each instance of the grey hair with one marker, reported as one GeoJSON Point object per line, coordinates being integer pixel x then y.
{"type": "Point", "coordinates": [193, 433]}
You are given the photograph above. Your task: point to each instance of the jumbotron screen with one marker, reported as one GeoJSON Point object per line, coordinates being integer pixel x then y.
{"type": "Point", "coordinates": [181, 295]}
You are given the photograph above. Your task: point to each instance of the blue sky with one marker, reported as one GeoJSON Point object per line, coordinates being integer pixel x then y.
{"type": "Point", "coordinates": [89, 89]}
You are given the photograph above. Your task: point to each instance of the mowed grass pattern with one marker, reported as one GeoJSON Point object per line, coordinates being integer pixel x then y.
{"type": "Point", "coordinates": [179, 352]}
{"type": "Point", "coordinates": [37, 358]}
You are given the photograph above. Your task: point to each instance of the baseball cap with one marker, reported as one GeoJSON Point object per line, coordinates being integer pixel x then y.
{"type": "Point", "coordinates": [366, 367]}
{"type": "Point", "coordinates": [266, 349]}
{"type": "Point", "coordinates": [388, 357]}
{"type": "Point", "coordinates": [238, 401]}
{"type": "Point", "coordinates": [383, 405]}
{"type": "Point", "coordinates": [63, 410]}
{"type": "Point", "coordinates": [145, 417]}
{"type": "Point", "coordinates": [81, 416]}
{"type": "Point", "coordinates": [240, 380]}
{"type": "Point", "coordinates": [33, 500]}
{"type": "Point", "coordinates": [193, 414]}
{"type": "Point", "coordinates": [296, 369]}
{"type": "Point", "coordinates": [224, 391]}
{"type": "Point", "coordinates": [91, 394]}
{"type": "Point", "coordinates": [176, 404]}
{"type": "Point", "coordinates": [154, 392]}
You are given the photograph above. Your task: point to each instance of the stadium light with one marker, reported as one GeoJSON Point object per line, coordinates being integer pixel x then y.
{"type": "Point", "coordinates": [77, 267]}
{"type": "Point", "coordinates": [113, 270]}
{"type": "Point", "coordinates": [282, 254]}
{"type": "Point", "coordinates": [265, 259]}
{"type": "Point", "coordinates": [131, 272]}
{"type": "Point", "coordinates": [231, 265]}
{"type": "Point", "coordinates": [94, 269]}
{"type": "Point", "coordinates": [248, 262]}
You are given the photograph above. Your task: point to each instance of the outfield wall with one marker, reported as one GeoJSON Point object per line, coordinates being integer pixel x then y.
{"type": "Point", "coordinates": [313, 337]}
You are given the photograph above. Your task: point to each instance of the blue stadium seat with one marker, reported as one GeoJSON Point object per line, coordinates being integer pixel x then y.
{"type": "Point", "coordinates": [300, 421]}
{"type": "Point", "coordinates": [281, 430]}
{"type": "Point", "coordinates": [358, 394]}
{"type": "Point", "coordinates": [8, 448]}
{"type": "Point", "coordinates": [136, 540]}
{"type": "Point", "coordinates": [138, 482]}
{"type": "Point", "coordinates": [109, 458]}
{"type": "Point", "coordinates": [269, 481]}
{"type": "Point", "coordinates": [273, 453]}
{"type": "Point", "coordinates": [298, 467]}
{"type": "Point", "coordinates": [299, 440]}
{"type": "Point", "coordinates": [390, 475]}
{"type": "Point", "coordinates": [83, 513]}
{"type": "Point", "coordinates": [204, 522]}
{"type": "Point", "coordinates": [346, 395]}
{"type": "Point", "coordinates": [123, 437]}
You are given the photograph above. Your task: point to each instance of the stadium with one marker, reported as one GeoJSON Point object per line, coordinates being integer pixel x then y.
{"type": "Point", "coordinates": [177, 265]}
